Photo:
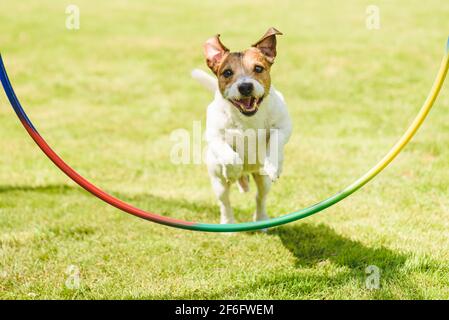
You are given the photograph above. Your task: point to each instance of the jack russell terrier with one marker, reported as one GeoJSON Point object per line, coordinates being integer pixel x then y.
{"type": "Point", "coordinates": [247, 123]}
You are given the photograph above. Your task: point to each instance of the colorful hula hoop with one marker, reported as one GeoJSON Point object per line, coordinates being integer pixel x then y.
{"type": "Point", "coordinates": [249, 226]}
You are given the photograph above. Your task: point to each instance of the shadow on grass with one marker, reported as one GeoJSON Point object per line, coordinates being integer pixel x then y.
{"type": "Point", "coordinates": [52, 188]}
{"type": "Point", "coordinates": [164, 206]}
{"type": "Point", "coordinates": [313, 246]}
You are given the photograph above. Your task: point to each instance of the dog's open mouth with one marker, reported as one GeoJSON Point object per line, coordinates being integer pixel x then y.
{"type": "Point", "coordinates": [247, 106]}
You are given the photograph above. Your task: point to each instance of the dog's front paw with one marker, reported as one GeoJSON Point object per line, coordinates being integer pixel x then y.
{"type": "Point", "coordinates": [273, 171]}
{"type": "Point", "coordinates": [227, 220]}
{"type": "Point", "coordinates": [261, 216]}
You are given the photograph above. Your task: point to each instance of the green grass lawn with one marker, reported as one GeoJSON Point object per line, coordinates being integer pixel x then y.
{"type": "Point", "coordinates": [107, 97]}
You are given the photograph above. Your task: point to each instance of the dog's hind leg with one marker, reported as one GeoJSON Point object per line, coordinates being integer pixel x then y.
{"type": "Point", "coordinates": [222, 190]}
{"type": "Point", "coordinates": [263, 184]}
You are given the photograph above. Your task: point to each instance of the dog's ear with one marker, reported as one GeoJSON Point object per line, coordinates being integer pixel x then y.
{"type": "Point", "coordinates": [214, 51]}
{"type": "Point", "coordinates": [267, 44]}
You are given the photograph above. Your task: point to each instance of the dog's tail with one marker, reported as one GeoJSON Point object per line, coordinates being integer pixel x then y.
{"type": "Point", "coordinates": [205, 79]}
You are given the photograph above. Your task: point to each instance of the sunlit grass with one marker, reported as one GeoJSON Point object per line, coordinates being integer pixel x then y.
{"type": "Point", "coordinates": [108, 96]}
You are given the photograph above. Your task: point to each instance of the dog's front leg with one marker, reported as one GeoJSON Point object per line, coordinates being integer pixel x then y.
{"type": "Point", "coordinates": [225, 167]}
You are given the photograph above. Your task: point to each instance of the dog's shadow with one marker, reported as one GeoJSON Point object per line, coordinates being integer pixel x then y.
{"type": "Point", "coordinates": [312, 244]}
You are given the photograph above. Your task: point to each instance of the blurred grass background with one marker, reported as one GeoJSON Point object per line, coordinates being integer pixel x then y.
{"type": "Point", "coordinates": [107, 97]}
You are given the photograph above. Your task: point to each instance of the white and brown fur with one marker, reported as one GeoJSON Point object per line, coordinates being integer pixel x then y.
{"type": "Point", "coordinates": [244, 99]}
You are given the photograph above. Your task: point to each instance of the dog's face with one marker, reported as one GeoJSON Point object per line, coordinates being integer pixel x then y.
{"type": "Point", "coordinates": [243, 77]}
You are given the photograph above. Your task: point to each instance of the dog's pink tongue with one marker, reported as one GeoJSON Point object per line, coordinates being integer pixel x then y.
{"type": "Point", "coordinates": [247, 103]}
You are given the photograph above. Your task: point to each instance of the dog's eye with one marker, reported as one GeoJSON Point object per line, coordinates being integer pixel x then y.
{"type": "Point", "coordinates": [258, 69]}
{"type": "Point", "coordinates": [228, 73]}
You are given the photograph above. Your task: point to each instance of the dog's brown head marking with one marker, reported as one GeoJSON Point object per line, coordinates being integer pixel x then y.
{"type": "Point", "coordinates": [243, 77]}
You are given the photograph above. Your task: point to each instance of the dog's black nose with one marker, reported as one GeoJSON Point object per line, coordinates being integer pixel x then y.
{"type": "Point", "coordinates": [246, 88]}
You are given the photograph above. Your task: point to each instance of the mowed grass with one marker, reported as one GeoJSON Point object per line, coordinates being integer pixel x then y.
{"type": "Point", "coordinates": [107, 97]}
